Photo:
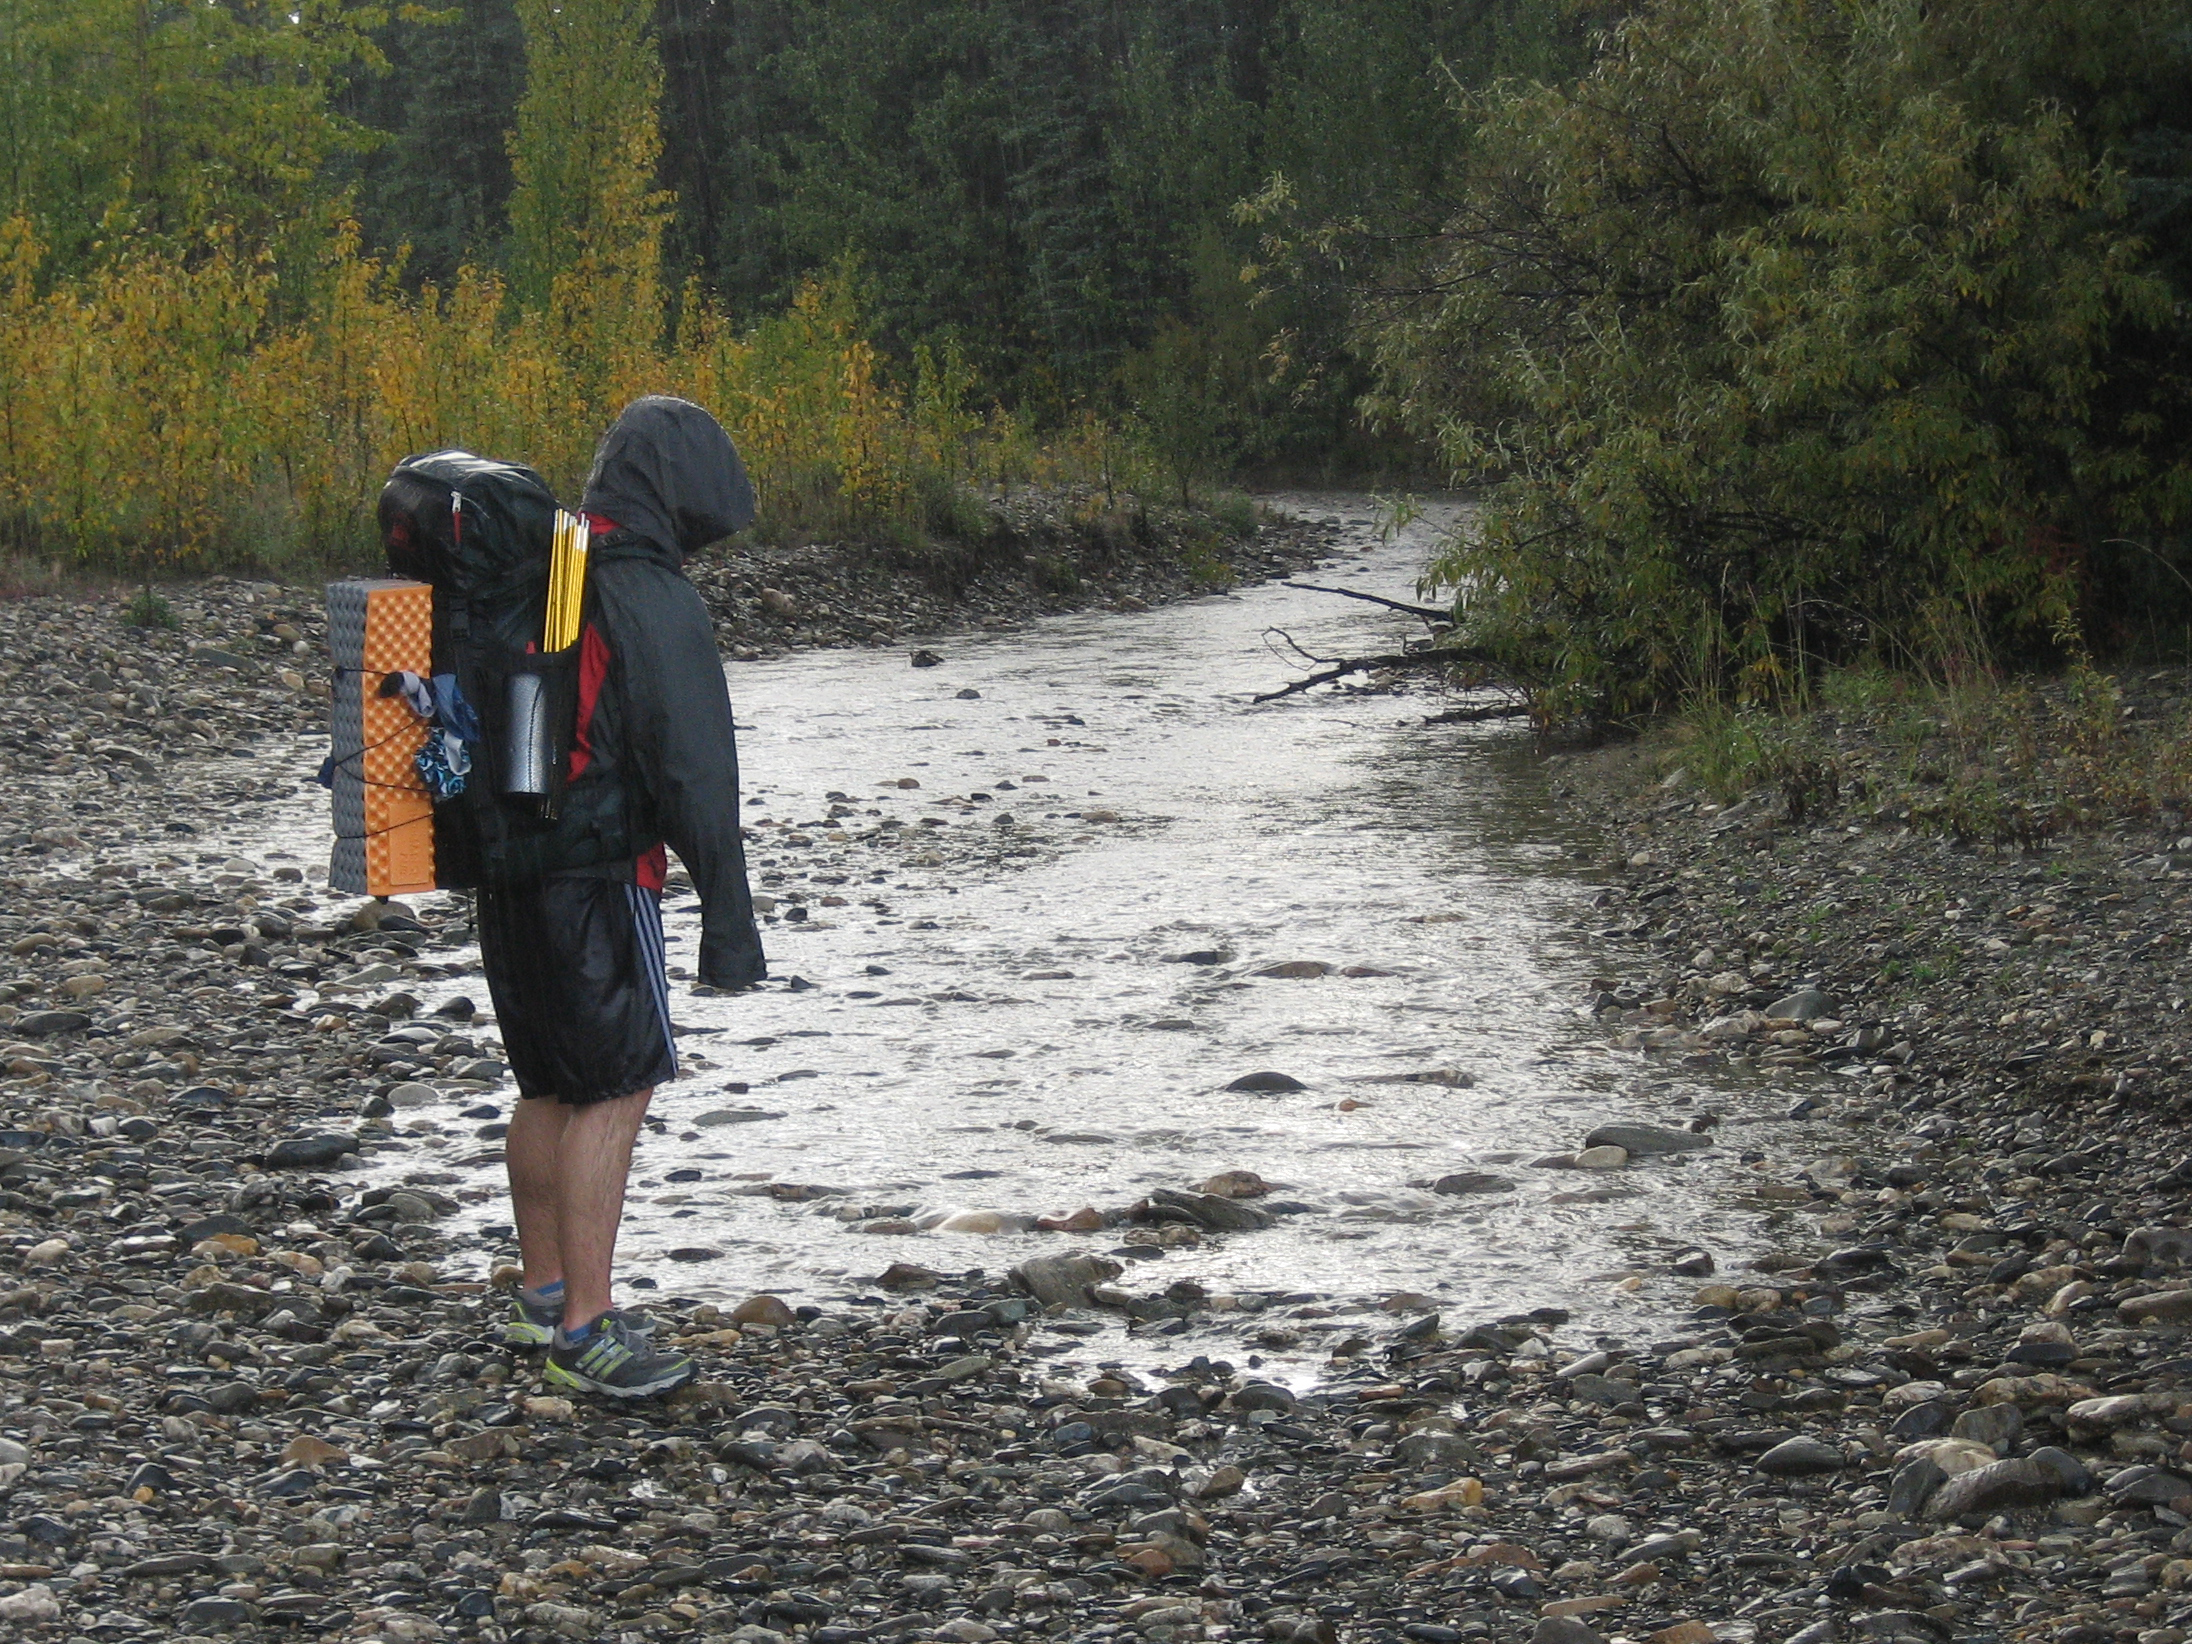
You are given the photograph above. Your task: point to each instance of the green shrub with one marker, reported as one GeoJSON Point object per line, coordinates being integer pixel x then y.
{"type": "Point", "coordinates": [1793, 334]}
{"type": "Point", "coordinates": [149, 609]}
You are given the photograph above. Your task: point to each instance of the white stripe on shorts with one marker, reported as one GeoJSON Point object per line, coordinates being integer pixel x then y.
{"type": "Point", "coordinates": [654, 957]}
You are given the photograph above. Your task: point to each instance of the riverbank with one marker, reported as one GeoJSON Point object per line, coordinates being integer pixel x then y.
{"type": "Point", "coordinates": [1962, 955]}
{"type": "Point", "coordinates": [1046, 552]}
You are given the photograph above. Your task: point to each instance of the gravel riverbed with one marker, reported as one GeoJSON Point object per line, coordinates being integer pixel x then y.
{"type": "Point", "coordinates": [240, 1395]}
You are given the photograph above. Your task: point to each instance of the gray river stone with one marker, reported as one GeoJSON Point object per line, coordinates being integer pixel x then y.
{"type": "Point", "coordinates": [1797, 1456]}
{"type": "Point", "coordinates": [1472, 1181]}
{"type": "Point", "coordinates": [1646, 1139]}
{"type": "Point", "coordinates": [1065, 1281]}
{"type": "Point", "coordinates": [1210, 1210]}
{"type": "Point", "coordinates": [2002, 1486]}
{"type": "Point", "coordinates": [2147, 1487]}
{"type": "Point", "coordinates": [1804, 1005]}
{"type": "Point", "coordinates": [313, 1152]}
{"type": "Point", "coordinates": [1913, 1486]}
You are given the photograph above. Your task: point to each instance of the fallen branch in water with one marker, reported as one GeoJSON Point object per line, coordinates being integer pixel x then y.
{"type": "Point", "coordinates": [1477, 716]}
{"type": "Point", "coordinates": [1341, 667]}
{"type": "Point", "coordinates": [1430, 613]}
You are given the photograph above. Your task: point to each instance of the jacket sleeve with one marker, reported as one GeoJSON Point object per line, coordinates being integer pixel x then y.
{"type": "Point", "coordinates": [683, 754]}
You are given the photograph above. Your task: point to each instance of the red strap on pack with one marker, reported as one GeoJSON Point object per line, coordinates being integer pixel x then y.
{"type": "Point", "coordinates": [593, 669]}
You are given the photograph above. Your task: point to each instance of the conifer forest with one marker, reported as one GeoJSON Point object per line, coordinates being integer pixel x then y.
{"type": "Point", "coordinates": [1768, 334]}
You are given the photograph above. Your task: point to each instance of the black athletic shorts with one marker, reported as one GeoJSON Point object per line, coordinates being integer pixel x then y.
{"type": "Point", "coordinates": [575, 966]}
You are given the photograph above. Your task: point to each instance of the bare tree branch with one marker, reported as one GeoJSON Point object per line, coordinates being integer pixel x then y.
{"type": "Point", "coordinates": [1292, 644]}
{"type": "Point", "coordinates": [1429, 613]}
{"type": "Point", "coordinates": [1342, 667]}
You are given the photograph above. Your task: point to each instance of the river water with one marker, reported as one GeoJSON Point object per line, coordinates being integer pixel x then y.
{"type": "Point", "coordinates": [995, 1015]}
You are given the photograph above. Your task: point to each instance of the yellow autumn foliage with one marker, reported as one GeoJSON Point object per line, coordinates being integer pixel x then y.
{"type": "Point", "coordinates": [164, 411]}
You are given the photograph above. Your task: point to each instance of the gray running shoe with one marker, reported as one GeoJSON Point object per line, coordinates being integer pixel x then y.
{"type": "Point", "coordinates": [616, 1359]}
{"type": "Point", "coordinates": [531, 1324]}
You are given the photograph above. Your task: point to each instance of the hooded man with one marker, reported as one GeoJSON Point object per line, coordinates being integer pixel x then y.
{"type": "Point", "coordinates": [575, 960]}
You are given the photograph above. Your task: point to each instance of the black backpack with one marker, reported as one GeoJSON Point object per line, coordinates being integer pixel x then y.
{"type": "Point", "coordinates": [480, 532]}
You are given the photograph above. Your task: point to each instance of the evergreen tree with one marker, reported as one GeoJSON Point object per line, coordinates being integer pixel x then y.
{"type": "Point", "coordinates": [438, 181]}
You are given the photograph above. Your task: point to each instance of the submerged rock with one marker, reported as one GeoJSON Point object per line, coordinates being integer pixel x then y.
{"type": "Point", "coordinates": [1276, 1082]}
{"type": "Point", "coordinates": [1644, 1140]}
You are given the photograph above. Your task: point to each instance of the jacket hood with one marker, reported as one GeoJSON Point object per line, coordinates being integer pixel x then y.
{"type": "Point", "coordinates": [667, 472]}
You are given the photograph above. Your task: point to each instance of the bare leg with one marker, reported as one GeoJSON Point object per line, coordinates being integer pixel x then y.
{"type": "Point", "coordinates": [532, 1148]}
{"type": "Point", "coordinates": [591, 1165]}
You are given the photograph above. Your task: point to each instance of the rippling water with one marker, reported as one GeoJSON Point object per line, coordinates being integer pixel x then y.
{"type": "Point", "coordinates": [1017, 1033]}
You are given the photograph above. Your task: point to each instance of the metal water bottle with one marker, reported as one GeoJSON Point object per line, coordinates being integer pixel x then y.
{"type": "Point", "coordinates": [529, 762]}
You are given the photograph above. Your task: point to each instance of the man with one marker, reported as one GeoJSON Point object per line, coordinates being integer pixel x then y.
{"type": "Point", "coordinates": [575, 961]}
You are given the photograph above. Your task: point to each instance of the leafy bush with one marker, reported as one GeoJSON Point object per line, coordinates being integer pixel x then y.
{"type": "Point", "coordinates": [156, 414]}
{"type": "Point", "coordinates": [1787, 335]}
{"type": "Point", "coordinates": [149, 609]}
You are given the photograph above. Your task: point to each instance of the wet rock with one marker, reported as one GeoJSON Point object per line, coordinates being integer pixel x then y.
{"type": "Point", "coordinates": [1804, 1005]}
{"type": "Point", "coordinates": [1464, 1492]}
{"type": "Point", "coordinates": [1646, 1140]}
{"type": "Point", "coordinates": [1087, 1219]}
{"type": "Point", "coordinates": [1998, 1487]}
{"type": "Point", "coordinates": [1263, 1395]}
{"type": "Point", "coordinates": [309, 1450]}
{"type": "Point", "coordinates": [1998, 1426]}
{"type": "Point", "coordinates": [1927, 1419]}
{"type": "Point", "coordinates": [45, 1024]}
{"type": "Point", "coordinates": [1065, 1281]}
{"type": "Point", "coordinates": [1600, 1158]}
{"type": "Point", "coordinates": [1206, 1210]}
{"type": "Point", "coordinates": [1272, 1082]}
{"type": "Point", "coordinates": [31, 1607]}
{"type": "Point", "coordinates": [1432, 1449]}
{"type": "Point", "coordinates": [2070, 1472]}
{"type": "Point", "coordinates": [1226, 1480]}
{"type": "Point", "coordinates": [925, 658]}
{"type": "Point", "coordinates": [1296, 969]}
{"type": "Point", "coordinates": [764, 1309]}
{"type": "Point", "coordinates": [213, 1615]}
{"type": "Point", "coordinates": [2090, 1416]}
{"type": "Point", "coordinates": [2147, 1487]}
{"type": "Point", "coordinates": [2158, 1246]}
{"type": "Point", "coordinates": [1913, 1486]}
{"type": "Point", "coordinates": [1954, 1456]}
{"type": "Point", "coordinates": [1236, 1184]}
{"type": "Point", "coordinates": [1799, 1456]}
{"type": "Point", "coordinates": [1465, 1182]}
{"type": "Point", "coordinates": [311, 1152]}
{"type": "Point", "coordinates": [2157, 1307]}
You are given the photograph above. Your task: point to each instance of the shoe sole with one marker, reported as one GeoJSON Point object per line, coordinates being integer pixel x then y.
{"type": "Point", "coordinates": [557, 1376]}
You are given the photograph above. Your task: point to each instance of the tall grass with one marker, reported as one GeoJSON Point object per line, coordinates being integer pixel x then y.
{"type": "Point", "coordinates": [170, 412]}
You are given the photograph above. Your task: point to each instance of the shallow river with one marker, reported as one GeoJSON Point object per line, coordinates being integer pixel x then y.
{"type": "Point", "coordinates": [1018, 1033]}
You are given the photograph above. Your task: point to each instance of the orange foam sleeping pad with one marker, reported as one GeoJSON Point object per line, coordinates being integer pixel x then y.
{"type": "Point", "coordinates": [384, 814]}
